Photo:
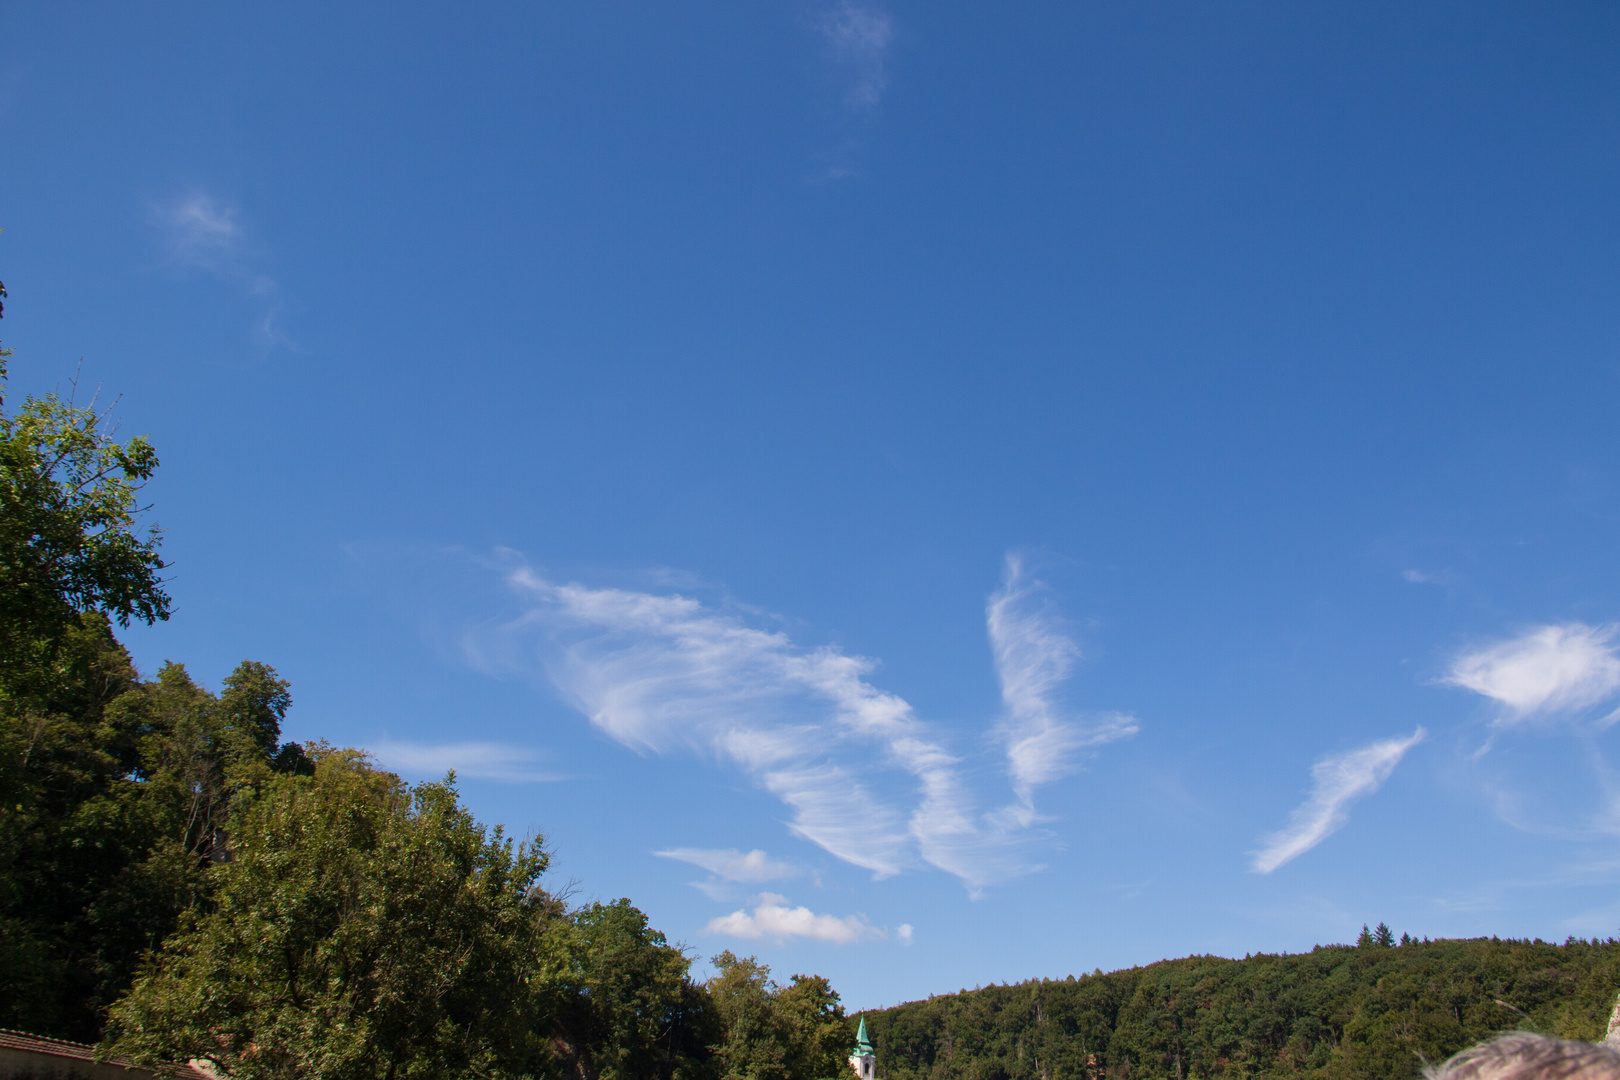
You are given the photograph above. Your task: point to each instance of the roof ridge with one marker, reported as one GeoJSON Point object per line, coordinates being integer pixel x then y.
{"type": "Point", "coordinates": [45, 1038]}
{"type": "Point", "coordinates": [27, 1041]}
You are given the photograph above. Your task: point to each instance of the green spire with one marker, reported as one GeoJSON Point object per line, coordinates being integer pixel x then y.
{"type": "Point", "coordinates": [863, 1045]}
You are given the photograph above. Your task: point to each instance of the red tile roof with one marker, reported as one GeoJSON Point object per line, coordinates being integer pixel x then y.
{"type": "Point", "coordinates": [38, 1044]}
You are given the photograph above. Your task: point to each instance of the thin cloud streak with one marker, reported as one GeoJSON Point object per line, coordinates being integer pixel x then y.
{"type": "Point", "coordinates": [864, 778]}
{"type": "Point", "coordinates": [1339, 781]}
{"type": "Point", "coordinates": [472, 760]}
{"type": "Point", "coordinates": [1548, 670]}
{"type": "Point", "coordinates": [1034, 659]}
{"type": "Point", "coordinates": [730, 864]}
{"type": "Point", "coordinates": [773, 920]}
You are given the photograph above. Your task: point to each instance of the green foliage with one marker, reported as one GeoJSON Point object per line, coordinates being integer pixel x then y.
{"type": "Point", "coordinates": [1336, 1012]}
{"type": "Point", "coordinates": [68, 543]}
{"type": "Point", "coordinates": [113, 797]}
{"type": "Point", "coordinates": [67, 838]}
{"type": "Point", "coordinates": [769, 1032]}
{"type": "Point", "coordinates": [359, 929]}
{"type": "Point", "coordinates": [636, 1015]}
{"type": "Point", "coordinates": [819, 1038]}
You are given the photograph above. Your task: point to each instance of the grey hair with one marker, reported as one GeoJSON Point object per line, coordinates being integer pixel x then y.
{"type": "Point", "coordinates": [1520, 1055]}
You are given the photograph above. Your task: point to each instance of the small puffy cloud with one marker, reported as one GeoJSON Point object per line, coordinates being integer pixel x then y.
{"type": "Point", "coordinates": [904, 933]}
{"type": "Point", "coordinates": [729, 864]}
{"type": "Point", "coordinates": [1546, 670]}
{"type": "Point", "coordinates": [773, 920]}
{"type": "Point", "coordinates": [1338, 781]}
{"type": "Point", "coordinates": [473, 760]}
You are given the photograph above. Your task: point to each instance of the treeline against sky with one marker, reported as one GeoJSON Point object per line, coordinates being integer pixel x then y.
{"type": "Point", "coordinates": [178, 882]}
{"type": "Point", "coordinates": [1373, 1010]}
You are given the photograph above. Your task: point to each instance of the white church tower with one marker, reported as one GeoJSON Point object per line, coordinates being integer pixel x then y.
{"type": "Point", "coordinates": [862, 1059]}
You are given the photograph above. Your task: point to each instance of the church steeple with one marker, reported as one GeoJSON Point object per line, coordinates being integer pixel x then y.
{"type": "Point", "coordinates": [863, 1059]}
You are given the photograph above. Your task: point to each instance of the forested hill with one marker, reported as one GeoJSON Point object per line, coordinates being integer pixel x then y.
{"type": "Point", "coordinates": [1367, 1010]}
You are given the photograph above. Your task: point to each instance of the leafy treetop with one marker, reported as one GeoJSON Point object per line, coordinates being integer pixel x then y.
{"type": "Point", "coordinates": [68, 513]}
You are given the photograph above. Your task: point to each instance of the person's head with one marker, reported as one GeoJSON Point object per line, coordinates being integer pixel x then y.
{"type": "Point", "coordinates": [1522, 1056]}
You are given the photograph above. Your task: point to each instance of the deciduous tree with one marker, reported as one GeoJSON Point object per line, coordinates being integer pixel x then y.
{"type": "Point", "coordinates": [361, 930]}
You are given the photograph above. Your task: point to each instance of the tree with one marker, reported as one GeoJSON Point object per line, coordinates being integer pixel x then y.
{"type": "Point", "coordinates": [770, 1032]}
{"type": "Point", "coordinates": [754, 1039]}
{"type": "Point", "coordinates": [360, 930]}
{"type": "Point", "coordinates": [116, 798]}
{"type": "Point", "coordinates": [1382, 937]}
{"type": "Point", "coordinates": [66, 836]}
{"type": "Point", "coordinates": [68, 540]}
{"type": "Point", "coordinates": [819, 1038]}
{"type": "Point", "coordinates": [636, 1015]}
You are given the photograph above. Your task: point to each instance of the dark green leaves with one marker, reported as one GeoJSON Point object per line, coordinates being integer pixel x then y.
{"type": "Point", "coordinates": [771, 1032]}
{"type": "Point", "coordinates": [1337, 1012]}
{"type": "Point", "coordinates": [360, 930]}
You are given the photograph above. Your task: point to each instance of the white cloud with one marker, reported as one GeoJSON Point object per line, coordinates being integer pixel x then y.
{"type": "Point", "coordinates": [772, 919]}
{"type": "Point", "coordinates": [473, 760]}
{"type": "Point", "coordinates": [863, 776]}
{"type": "Point", "coordinates": [202, 233]}
{"type": "Point", "coordinates": [860, 38]}
{"type": "Point", "coordinates": [1549, 669]}
{"type": "Point", "coordinates": [1034, 658]}
{"type": "Point", "coordinates": [1339, 781]}
{"type": "Point", "coordinates": [732, 865]}
{"type": "Point", "coordinates": [904, 933]}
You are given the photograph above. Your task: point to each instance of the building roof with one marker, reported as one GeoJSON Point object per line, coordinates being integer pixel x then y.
{"type": "Point", "coordinates": [863, 1045]}
{"type": "Point", "coordinates": [61, 1048]}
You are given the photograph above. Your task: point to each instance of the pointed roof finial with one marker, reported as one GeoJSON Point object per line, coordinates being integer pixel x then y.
{"type": "Point", "coordinates": [863, 1045]}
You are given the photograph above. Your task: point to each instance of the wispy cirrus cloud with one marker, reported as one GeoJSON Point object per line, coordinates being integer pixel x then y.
{"type": "Point", "coordinates": [473, 760]}
{"type": "Point", "coordinates": [1546, 671]}
{"type": "Point", "coordinates": [862, 776]}
{"type": "Point", "coordinates": [773, 920]}
{"type": "Point", "coordinates": [1034, 658]}
{"type": "Point", "coordinates": [859, 36]}
{"type": "Point", "coordinates": [729, 864]}
{"type": "Point", "coordinates": [202, 233]}
{"type": "Point", "coordinates": [729, 867]}
{"type": "Point", "coordinates": [1337, 782]}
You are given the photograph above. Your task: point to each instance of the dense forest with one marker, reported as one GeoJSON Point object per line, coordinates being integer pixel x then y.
{"type": "Point", "coordinates": [1379, 1008]}
{"type": "Point", "coordinates": [179, 882]}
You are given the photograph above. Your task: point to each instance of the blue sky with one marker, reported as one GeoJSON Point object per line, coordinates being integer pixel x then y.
{"type": "Point", "coordinates": [926, 494]}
